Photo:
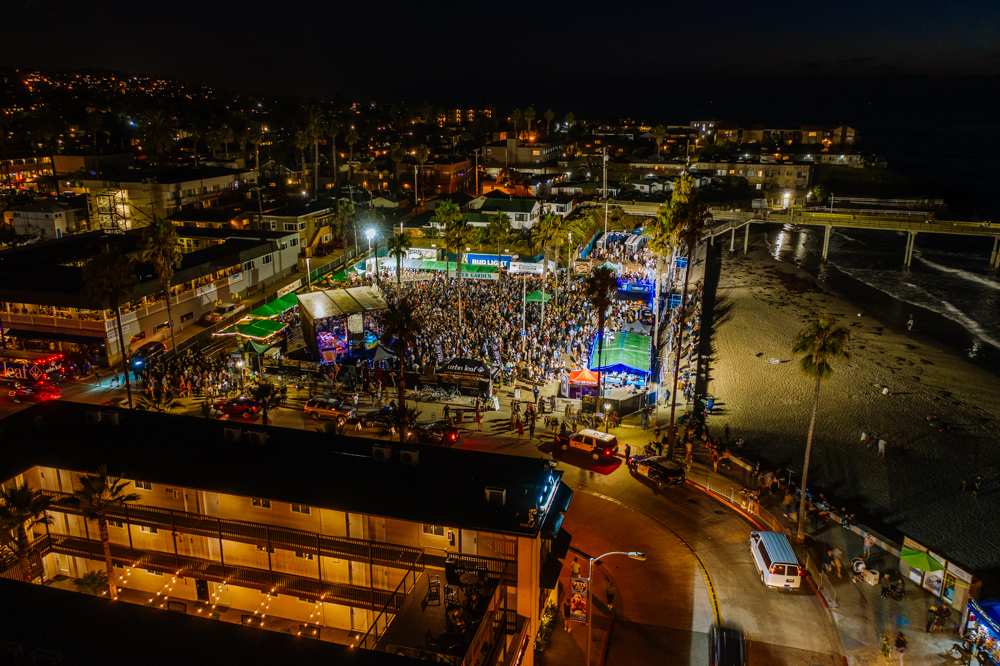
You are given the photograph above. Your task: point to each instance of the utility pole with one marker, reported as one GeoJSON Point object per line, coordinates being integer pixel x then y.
{"type": "Point", "coordinates": [476, 153]}
{"type": "Point", "coordinates": [524, 294]}
{"type": "Point", "coordinates": [604, 160]}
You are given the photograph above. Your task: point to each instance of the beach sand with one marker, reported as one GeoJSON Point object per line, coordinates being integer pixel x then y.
{"type": "Point", "coordinates": [915, 488]}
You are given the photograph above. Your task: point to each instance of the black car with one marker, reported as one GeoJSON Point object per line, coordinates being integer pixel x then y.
{"type": "Point", "coordinates": [142, 356]}
{"type": "Point", "coordinates": [726, 647]}
{"type": "Point", "coordinates": [660, 471]}
{"type": "Point", "coordinates": [439, 433]}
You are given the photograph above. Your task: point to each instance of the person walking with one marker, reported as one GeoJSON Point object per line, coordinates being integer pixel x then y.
{"type": "Point", "coordinates": [881, 448]}
{"type": "Point", "coordinates": [867, 545]}
{"type": "Point", "coordinates": [567, 626]}
{"type": "Point", "coordinates": [520, 425]}
{"type": "Point", "coordinates": [531, 427]}
{"type": "Point", "coordinates": [628, 452]}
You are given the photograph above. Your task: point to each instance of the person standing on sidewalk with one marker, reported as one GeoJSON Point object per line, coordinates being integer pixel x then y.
{"type": "Point", "coordinates": [567, 623]}
{"type": "Point", "coordinates": [628, 452]}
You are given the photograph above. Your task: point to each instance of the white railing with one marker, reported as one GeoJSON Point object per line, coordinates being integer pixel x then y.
{"type": "Point", "coordinates": [12, 320]}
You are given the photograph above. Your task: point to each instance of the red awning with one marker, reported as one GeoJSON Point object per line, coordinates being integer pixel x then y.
{"type": "Point", "coordinates": [583, 377]}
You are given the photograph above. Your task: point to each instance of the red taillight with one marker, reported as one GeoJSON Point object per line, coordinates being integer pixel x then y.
{"type": "Point", "coordinates": [453, 436]}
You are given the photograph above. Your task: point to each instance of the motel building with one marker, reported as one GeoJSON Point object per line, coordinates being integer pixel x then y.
{"type": "Point", "coordinates": [429, 553]}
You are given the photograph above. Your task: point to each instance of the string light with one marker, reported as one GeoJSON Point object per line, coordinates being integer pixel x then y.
{"type": "Point", "coordinates": [161, 597]}
{"type": "Point", "coordinates": [317, 610]}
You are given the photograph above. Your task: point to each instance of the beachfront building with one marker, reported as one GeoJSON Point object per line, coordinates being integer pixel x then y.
{"type": "Point", "coordinates": [45, 305]}
{"type": "Point", "coordinates": [24, 171]}
{"type": "Point", "coordinates": [313, 221]}
{"type": "Point", "coordinates": [46, 219]}
{"type": "Point", "coordinates": [428, 552]}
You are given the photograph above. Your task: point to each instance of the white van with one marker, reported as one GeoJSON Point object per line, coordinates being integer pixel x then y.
{"type": "Point", "coordinates": [775, 560]}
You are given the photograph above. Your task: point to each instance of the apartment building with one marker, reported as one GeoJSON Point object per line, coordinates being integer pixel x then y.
{"type": "Point", "coordinates": [763, 177]}
{"type": "Point", "coordinates": [162, 192]}
{"type": "Point", "coordinates": [44, 303]}
{"type": "Point", "coordinates": [47, 218]}
{"type": "Point", "coordinates": [515, 153]}
{"type": "Point", "coordinates": [524, 213]}
{"type": "Point", "coordinates": [22, 172]}
{"type": "Point", "coordinates": [313, 221]}
{"type": "Point", "coordinates": [427, 552]}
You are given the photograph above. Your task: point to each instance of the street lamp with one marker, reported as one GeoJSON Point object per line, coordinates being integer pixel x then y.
{"type": "Point", "coordinates": [607, 415]}
{"type": "Point", "coordinates": [370, 234]}
{"type": "Point", "coordinates": [637, 555]}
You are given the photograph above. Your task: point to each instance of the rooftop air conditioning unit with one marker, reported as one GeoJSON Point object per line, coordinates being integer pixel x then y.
{"type": "Point", "coordinates": [382, 453]}
{"type": "Point", "coordinates": [409, 457]}
{"type": "Point", "coordinates": [496, 496]}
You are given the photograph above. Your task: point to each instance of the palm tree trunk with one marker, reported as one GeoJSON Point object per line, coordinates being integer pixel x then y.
{"type": "Point", "coordinates": [680, 342]}
{"type": "Point", "coordinates": [545, 274]}
{"type": "Point", "coordinates": [333, 159]}
{"type": "Point", "coordinates": [102, 526]}
{"type": "Point", "coordinates": [121, 347]}
{"type": "Point", "coordinates": [416, 197]}
{"type": "Point", "coordinates": [399, 271]}
{"type": "Point", "coordinates": [800, 533]}
{"type": "Point", "coordinates": [170, 317]}
{"type": "Point", "coordinates": [401, 386]}
{"type": "Point", "coordinates": [600, 354]}
{"type": "Point", "coordinates": [315, 168]}
{"type": "Point", "coordinates": [22, 552]}
{"type": "Point", "coordinates": [458, 271]}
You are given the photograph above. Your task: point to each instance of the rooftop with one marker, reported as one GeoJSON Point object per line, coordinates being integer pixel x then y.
{"type": "Point", "coordinates": [508, 204]}
{"type": "Point", "coordinates": [165, 175]}
{"type": "Point", "coordinates": [298, 208]}
{"type": "Point", "coordinates": [444, 487]}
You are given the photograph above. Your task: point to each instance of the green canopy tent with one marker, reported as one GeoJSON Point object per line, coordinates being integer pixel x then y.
{"type": "Point", "coordinates": [623, 352]}
{"type": "Point", "coordinates": [276, 307]}
{"type": "Point", "coordinates": [919, 559]}
{"type": "Point", "coordinates": [537, 297]}
{"type": "Point", "coordinates": [257, 330]}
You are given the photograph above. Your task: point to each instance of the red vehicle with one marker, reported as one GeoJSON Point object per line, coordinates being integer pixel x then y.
{"type": "Point", "coordinates": [33, 392]}
{"type": "Point", "coordinates": [239, 408]}
{"type": "Point", "coordinates": [32, 366]}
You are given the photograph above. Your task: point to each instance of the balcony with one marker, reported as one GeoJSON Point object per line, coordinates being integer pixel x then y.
{"type": "Point", "coordinates": [53, 323]}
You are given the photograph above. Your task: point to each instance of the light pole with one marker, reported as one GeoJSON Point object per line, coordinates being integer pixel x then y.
{"type": "Point", "coordinates": [604, 162]}
{"type": "Point", "coordinates": [631, 554]}
{"type": "Point", "coordinates": [524, 295]}
{"type": "Point", "coordinates": [370, 234]}
{"type": "Point", "coordinates": [607, 415]}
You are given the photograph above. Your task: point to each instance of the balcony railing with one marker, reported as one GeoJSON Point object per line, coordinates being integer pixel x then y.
{"type": "Point", "coordinates": [36, 321]}
{"type": "Point", "coordinates": [261, 579]}
{"type": "Point", "coordinates": [258, 534]}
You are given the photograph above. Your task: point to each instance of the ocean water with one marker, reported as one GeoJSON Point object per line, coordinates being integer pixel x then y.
{"type": "Point", "coordinates": [949, 290]}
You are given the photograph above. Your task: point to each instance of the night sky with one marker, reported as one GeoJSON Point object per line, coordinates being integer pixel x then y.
{"type": "Point", "coordinates": [607, 57]}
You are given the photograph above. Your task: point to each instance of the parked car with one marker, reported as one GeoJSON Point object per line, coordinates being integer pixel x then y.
{"type": "Point", "coordinates": [659, 471]}
{"type": "Point", "coordinates": [147, 352]}
{"type": "Point", "coordinates": [33, 392]}
{"type": "Point", "coordinates": [600, 445]}
{"type": "Point", "coordinates": [242, 407]}
{"type": "Point", "coordinates": [328, 408]}
{"type": "Point", "coordinates": [439, 433]}
{"type": "Point", "coordinates": [726, 647]}
{"type": "Point", "coordinates": [381, 420]}
{"type": "Point", "coordinates": [218, 313]}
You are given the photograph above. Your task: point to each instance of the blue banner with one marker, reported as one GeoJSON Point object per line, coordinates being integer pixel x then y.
{"type": "Point", "coordinates": [675, 300]}
{"type": "Point", "coordinates": [488, 259]}
{"type": "Point", "coordinates": [681, 262]}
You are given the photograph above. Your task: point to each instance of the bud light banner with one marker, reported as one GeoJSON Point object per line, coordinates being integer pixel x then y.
{"type": "Point", "coordinates": [488, 259]}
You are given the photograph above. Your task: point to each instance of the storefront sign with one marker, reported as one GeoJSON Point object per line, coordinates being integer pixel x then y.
{"type": "Point", "coordinates": [289, 288]}
{"type": "Point", "coordinates": [579, 599]}
{"type": "Point", "coordinates": [488, 259]}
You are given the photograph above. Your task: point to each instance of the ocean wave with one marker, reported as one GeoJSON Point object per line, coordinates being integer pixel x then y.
{"type": "Point", "coordinates": [965, 275]}
{"type": "Point", "coordinates": [876, 280]}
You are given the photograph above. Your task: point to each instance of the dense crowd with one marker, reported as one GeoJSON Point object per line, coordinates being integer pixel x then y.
{"type": "Point", "coordinates": [187, 374]}
{"type": "Point", "coordinates": [492, 324]}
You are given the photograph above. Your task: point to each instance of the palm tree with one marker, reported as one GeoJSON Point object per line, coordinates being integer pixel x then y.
{"type": "Point", "coordinates": [546, 233]}
{"type": "Point", "coordinates": [397, 246]}
{"type": "Point", "coordinates": [93, 582]}
{"type": "Point", "coordinates": [659, 134]}
{"type": "Point", "coordinates": [516, 117]}
{"type": "Point", "coordinates": [347, 213]}
{"type": "Point", "coordinates": [444, 215]}
{"type": "Point", "coordinates": [350, 139]}
{"type": "Point", "coordinates": [332, 127]}
{"type": "Point", "coordinates": [20, 510]}
{"type": "Point", "coordinates": [549, 116]}
{"type": "Point", "coordinates": [498, 232]}
{"type": "Point", "coordinates": [314, 129]}
{"type": "Point", "coordinates": [662, 243]}
{"type": "Point", "coordinates": [301, 140]}
{"type": "Point", "coordinates": [401, 323]}
{"type": "Point", "coordinates": [457, 234]}
{"type": "Point", "coordinates": [163, 250]}
{"type": "Point", "coordinates": [99, 494]}
{"type": "Point", "coordinates": [569, 119]}
{"type": "Point", "coordinates": [421, 155]}
{"type": "Point", "coordinates": [529, 118]}
{"type": "Point", "coordinates": [684, 220]}
{"type": "Point", "coordinates": [600, 287]}
{"type": "Point", "coordinates": [108, 279]}
{"type": "Point", "coordinates": [157, 135]}
{"type": "Point", "coordinates": [820, 342]}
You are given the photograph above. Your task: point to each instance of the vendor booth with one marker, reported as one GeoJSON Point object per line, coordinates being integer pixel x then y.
{"type": "Point", "coordinates": [981, 626]}
{"type": "Point", "coordinates": [467, 374]}
{"type": "Point", "coordinates": [336, 323]}
{"type": "Point", "coordinates": [581, 383]}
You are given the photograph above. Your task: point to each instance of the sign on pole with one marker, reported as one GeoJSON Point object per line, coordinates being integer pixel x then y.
{"type": "Point", "coordinates": [579, 595]}
{"type": "Point", "coordinates": [681, 262]}
{"type": "Point", "coordinates": [675, 301]}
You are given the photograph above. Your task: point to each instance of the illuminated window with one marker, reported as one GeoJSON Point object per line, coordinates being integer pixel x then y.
{"type": "Point", "coordinates": [143, 485]}
{"type": "Point", "coordinates": [303, 555]}
{"type": "Point", "coordinates": [260, 502]}
{"type": "Point", "coordinates": [301, 508]}
{"type": "Point", "coordinates": [147, 530]}
{"type": "Point", "coordinates": [434, 530]}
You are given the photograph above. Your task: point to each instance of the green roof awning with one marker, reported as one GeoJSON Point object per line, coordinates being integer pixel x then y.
{"type": "Point", "coordinates": [537, 297]}
{"type": "Point", "coordinates": [255, 329]}
{"type": "Point", "coordinates": [920, 559]}
{"type": "Point", "coordinates": [275, 307]}
{"type": "Point", "coordinates": [434, 265]}
{"type": "Point", "coordinates": [623, 351]}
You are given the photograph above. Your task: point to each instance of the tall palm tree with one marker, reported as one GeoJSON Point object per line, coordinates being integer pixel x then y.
{"type": "Point", "coordinates": [662, 243]}
{"type": "Point", "coordinates": [659, 134]}
{"type": "Point", "coordinates": [314, 129]}
{"type": "Point", "coordinates": [346, 212]}
{"type": "Point", "coordinates": [157, 134]}
{"type": "Point", "coordinates": [97, 495]}
{"type": "Point", "coordinates": [397, 154]}
{"type": "Point", "coordinates": [421, 155]}
{"type": "Point", "coordinates": [600, 287]}
{"type": "Point", "coordinates": [401, 323]}
{"type": "Point", "coordinates": [516, 118]}
{"type": "Point", "coordinates": [444, 214]}
{"type": "Point", "coordinates": [163, 250]}
{"type": "Point", "coordinates": [93, 582]}
{"type": "Point", "coordinates": [108, 279]}
{"type": "Point", "coordinates": [529, 118]}
{"type": "Point", "coordinates": [545, 234]}
{"type": "Point", "coordinates": [397, 246]}
{"type": "Point", "coordinates": [549, 116]}
{"type": "Point", "coordinates": [301, 140]}
{"type": "Point", "coordinates": [332, 128]}
{"type": "Point", "coordinates": [820, 342]}
{"type": "Point", "coordinates": [498, 232]}
{"type": "Point", "coordinates": [457, 234]}
{"type": "Point", "coordinates": [685, 220]}
{"type": "Point", "coordinates": [350, 139]}
{"type": "Point", "coordinates": [569, 119]}
{"type": "Point", "coordinates": [21, 509]}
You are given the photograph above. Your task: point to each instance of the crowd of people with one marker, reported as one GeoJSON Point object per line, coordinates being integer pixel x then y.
{"type": "Point", "coordinates": [187, 374]}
